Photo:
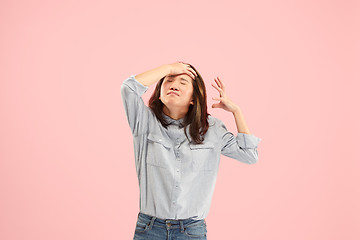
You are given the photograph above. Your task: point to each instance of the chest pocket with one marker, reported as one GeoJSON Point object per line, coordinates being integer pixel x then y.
{"type": "Point", "coordinates": [159, 149]}
{"type": "Point", "coordinates": [203, 157]}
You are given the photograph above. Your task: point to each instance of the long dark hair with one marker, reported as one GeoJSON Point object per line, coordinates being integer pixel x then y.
{"type": "Point", "coordinates": [197, 115]}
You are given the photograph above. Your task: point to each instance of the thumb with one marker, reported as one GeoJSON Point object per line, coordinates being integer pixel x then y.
{"type": "Point", "coordinates": [216, 105]}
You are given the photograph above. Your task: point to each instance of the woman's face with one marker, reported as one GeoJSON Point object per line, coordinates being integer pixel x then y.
{"type": "Point", "coordinates": [176, 92]}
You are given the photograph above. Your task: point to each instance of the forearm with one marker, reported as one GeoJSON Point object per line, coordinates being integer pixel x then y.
{"type": "Point", "coordinates": [240, 122]}
{"type": "Point", "coordinates": [152, 76]}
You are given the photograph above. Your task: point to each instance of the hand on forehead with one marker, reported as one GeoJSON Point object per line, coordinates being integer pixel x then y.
{"type": "Point", "coordinates": [181, 76]}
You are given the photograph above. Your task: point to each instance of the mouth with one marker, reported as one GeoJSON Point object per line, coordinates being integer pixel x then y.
{"type": "Point", "coordinates": [173, 93]}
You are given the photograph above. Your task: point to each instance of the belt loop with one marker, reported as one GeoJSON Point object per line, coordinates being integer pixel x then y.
{"type": "Point", "coordinates": [152, 222]}
{"type": "Point", "coordinates": [181, 225]}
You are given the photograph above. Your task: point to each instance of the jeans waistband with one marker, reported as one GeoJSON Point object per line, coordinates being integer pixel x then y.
{"type": "Point", "coordinates": [169, 222]}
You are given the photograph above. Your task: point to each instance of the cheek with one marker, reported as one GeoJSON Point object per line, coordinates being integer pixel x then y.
{"type": "Point", "coordinates": [162, 89]}
{"type": "Point", "coordinates": [189, 92]}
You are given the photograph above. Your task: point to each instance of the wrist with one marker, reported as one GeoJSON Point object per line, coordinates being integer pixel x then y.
{"type": "Point", "coordinates": [236, 110]}
{"type": "Point", "coordinates": [167, 69]}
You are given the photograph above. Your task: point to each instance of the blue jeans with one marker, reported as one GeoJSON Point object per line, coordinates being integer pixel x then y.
{"type": "Point", "coordinates": [153, 228]}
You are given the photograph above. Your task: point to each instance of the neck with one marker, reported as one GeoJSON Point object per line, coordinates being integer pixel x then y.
{"type": "Point", "coordinates": [176, 115]}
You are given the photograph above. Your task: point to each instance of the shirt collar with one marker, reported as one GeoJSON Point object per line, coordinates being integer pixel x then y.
{"type": "Point", "coordinates": [179, 122]}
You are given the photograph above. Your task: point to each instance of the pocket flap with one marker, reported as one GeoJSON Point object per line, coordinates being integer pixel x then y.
{"type": "Point", "coordinates": [202, 146]}
{"type": "Point", "coordinates": [159, 139]}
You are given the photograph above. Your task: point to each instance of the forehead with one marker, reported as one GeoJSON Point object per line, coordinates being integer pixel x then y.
{"type": "Point", "coordinates": [182, 76]}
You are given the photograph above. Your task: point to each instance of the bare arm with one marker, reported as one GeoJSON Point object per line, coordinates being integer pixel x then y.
{"type": "Point", "coordinates": [240, 121]}
{"type": "Point", "coordinates": [228, 105]}
{"type": "Point", "coordinates": [152, 76]}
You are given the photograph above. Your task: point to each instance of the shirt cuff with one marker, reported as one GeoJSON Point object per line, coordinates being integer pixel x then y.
{"type": "Point", "coordinates": [135, 85]}
{"type": "Point", "coordinates": [247, 140]}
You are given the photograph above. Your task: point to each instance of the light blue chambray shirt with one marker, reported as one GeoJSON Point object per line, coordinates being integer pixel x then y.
{"type": "Point", "coordinates": [177, 178]}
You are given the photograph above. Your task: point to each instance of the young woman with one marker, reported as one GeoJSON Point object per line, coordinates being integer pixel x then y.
{"type": "Point", "coordinates": [177, 147]}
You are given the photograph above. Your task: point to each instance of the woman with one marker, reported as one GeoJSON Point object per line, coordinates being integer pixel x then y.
{"type": "Point", "coordinates": [177, 147]}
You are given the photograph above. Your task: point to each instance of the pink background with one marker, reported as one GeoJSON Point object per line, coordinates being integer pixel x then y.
{"type": "Point", "coordinates": [67, 167]}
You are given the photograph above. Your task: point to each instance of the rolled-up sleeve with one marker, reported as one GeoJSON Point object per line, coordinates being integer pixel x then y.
{"type": "Point", "coordinates": [242, 147]}
{"type": "Point", "coordinates": [137, 112]}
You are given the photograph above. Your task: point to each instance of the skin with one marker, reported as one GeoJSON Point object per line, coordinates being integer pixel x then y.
{"type": "Point", "coordinates": [176, 106]}
{"type": "Point", "coordinates": [228, 105]}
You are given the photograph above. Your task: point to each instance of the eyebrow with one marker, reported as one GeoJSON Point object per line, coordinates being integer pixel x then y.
{"type": "Point", "coordinates": [184, 79]}
{"type": "Point", "coordinates": [181, 78]}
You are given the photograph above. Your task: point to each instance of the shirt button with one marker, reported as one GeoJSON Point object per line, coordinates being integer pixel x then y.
{"type": "Point", "coordinates": [177, 170]}
{"type": "Point", "coordinates": [177, 186]}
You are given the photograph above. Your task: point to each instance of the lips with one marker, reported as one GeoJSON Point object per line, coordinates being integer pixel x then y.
{"type": "Point", "coordinates": [173, 93]}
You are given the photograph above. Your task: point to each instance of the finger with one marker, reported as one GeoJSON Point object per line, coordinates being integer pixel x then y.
{"type": "Point", "coordinates": [217, 82]}
{"type": "Point", "coordinates": [216, 87]}
{"type": "Point", "coordinates": [219, 89]}
{"type": "Point", "coordinates": [216, 105]}
{"type": "Point", "coordinates": [192, 71]}
{"type": "Point", "coordinates": [191, 75]}
{"type": "Point", "coordinates": [221, 83]}
{"type": "Point", "coordinates": [216, 99]}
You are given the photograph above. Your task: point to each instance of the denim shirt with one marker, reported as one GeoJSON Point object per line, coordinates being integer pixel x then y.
{"type": "Point", "coordinates": [176, 177]}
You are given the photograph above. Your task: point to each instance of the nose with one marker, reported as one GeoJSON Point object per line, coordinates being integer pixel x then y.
{"type": "Point", "coordinates": [174, 86]}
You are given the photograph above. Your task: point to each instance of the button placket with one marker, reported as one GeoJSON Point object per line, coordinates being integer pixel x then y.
{"type": "Point", "coordinates": [176, 135]}
{"type": "Point", "coordinates": [177, 165]}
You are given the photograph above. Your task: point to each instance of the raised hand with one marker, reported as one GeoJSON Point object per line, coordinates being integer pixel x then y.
{"type": "Point", "coordinates": [225, 102]}
{"type": "Point", "coordinates": [180, 68]}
